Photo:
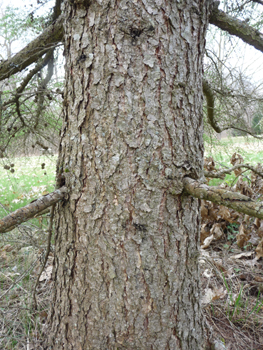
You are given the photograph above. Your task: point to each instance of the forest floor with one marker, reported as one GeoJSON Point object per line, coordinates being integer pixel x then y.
{"type": "Point", "coordinates": [231, 255]}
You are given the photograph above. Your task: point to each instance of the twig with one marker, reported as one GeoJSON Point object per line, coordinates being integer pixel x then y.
{"type": "Point", "coordinates": [52, 209]}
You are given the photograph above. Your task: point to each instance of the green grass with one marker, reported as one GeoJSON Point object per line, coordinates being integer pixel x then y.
{"type": "Point", "coordinates": [250, 149]}
{"type": "Point", "coordinates": [28, 181]}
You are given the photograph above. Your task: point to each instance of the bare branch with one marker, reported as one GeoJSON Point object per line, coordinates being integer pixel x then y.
{"type": "Point", "coordinates": [208, 92]}
{"type": "Point", "coordinates": [210, 106]}
{"type": "Point", "coordinates": [238, 28]}
{"type": "Point", "coordinates": [233, 200]}
{"type": "Point", "coordinates": [29, 76]}
{"type": "Point", "coordinates": [258, 1]}
{"type": "Point", "coordinates": [50, 37]}
{"type": "Point", "coordinates": [20, 215]}
{"type": "Point", "coordinates": [221, 173]}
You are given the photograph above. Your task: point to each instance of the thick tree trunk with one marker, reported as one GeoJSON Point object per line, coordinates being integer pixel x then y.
{"type": "Point", "coordinates": [125, 272]}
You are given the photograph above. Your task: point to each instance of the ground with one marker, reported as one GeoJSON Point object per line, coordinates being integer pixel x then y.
{"type": "Point", "coordinates": [231, 263]}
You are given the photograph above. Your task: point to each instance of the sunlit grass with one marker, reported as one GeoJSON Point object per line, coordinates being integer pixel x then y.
{"type": "Point", "coordinates": [29, 181]}
{"type": "Point", "coordinates": [222, 150]}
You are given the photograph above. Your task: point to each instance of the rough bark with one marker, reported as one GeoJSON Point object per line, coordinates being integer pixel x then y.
{"type": "Point", "coordinates": [233, 200]}
{"type": "Point", "coordinates": [126, 240]}
{"type": "Point", "coordinates": [20, 215]}
{"type": "Point", "coordinates": [47, 40]}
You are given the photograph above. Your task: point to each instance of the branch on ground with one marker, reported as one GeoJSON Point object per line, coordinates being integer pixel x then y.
{"type": "Point", "coordinates": [47, 40]}
{"type": "Point", "coordinates": [20, 215]}
{"type": "Point", "coordinates": [233, 200]}
{"type": "Point", "coordinates": [238, 28]}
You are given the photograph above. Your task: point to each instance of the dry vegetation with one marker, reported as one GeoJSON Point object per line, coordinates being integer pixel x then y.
{"type": "Point", "coordinates": [231, 265]}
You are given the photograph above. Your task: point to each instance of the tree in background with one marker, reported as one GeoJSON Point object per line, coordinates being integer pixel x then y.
{"type": "Point", "coordinates": [31, 100]}
{"type": "Point", "coordinates": [257, 120]}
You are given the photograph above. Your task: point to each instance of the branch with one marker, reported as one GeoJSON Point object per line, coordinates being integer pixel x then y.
{"type": "Point", "coordinates": [258, 1]}
{"type": "Point", "coordinates": [210, 106]}
{"type": "Point", "coordinates": [233, 200]}
{"type": "Point", "coordinates": [20, 215]}
{"type": "Point", "coordinates": [238, 28]}
{"type": "Point", "coordinates": [221, 173]}
{"type": "Point", "coordinates": [29, 76]}
{"type": "Point", "coordinates": [34, 50]}
{"type": "Point", "coordinates": [210, 100]}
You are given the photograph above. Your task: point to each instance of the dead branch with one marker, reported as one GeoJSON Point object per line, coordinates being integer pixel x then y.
{"type": "Point", "coordinates": [233, 200]}
{"type": "Point", "coordinates": [52, 210]}
{"type": "Point", "coordinates": [20, 215]}
{"type": "Point", "coordinates": [236, 27]}
{"type": "Point", "coordinates": [210, 100]}
{"type": "Point", "coordinates": [258, 1]}
{"type": "Point", "coordinates": [210, 106]}
{"type": "Point", "coordinates": [29, 76]}
{"type": "Point", "coordinates": [49, 38]}
{"type": "Point", "coordinates": [221, 173]}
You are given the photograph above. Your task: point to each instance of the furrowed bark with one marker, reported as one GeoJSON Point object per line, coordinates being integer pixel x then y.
{"type": "Point", "coordinates": [233, 200]}
{"type": "Point", "coordinates": [238, 28]}
{"type": "Point", "coordinates": [34, 50]}
{"type": "Point", "coordinates": [20, 215]}
{"type": "Point", "coordinates": [126, 239]}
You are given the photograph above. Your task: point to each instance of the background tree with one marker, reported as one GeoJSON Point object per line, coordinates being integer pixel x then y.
{"type": "Point", "coordinates": [30, 100]}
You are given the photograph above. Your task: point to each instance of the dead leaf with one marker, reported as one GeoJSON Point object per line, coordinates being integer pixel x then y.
{"type": "Point", "coordinates": [217, 231]}
{"type": "Point", "coordinates": [243, 236]}
{"type": "Point", "coordinates": [260, 230]}
{"type": "Point", "coordinates": [242, 255]}
{"type": "Point", "coordinates": [213, 294]}
{"type": "Point", "coordinates": [46, 274]}
{"type": "Point", "coordinates": [8, 248]}
{"type": "Point", "coordinates": [259, 250]}
{"type": "Point", "coordinates": [224, 213]}
{"type": "Point", "coordinates": [242, 187]}
{"type": "Point", "coordinates": [207, 242]}
{"type": "Point", "coordinates": [235, 160]}
{"type": "Point", "coordinates": [205, 232]}
{"type": "Point", "coordinates": [209, 164]}
{"type": "Point", "coordinates": [258, 278]}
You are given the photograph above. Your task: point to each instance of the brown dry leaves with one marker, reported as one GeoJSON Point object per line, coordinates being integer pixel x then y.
{"type": "Point", "coordinates": [216, 218]}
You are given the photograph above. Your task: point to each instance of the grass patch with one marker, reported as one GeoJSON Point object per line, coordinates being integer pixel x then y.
{"type": "Point", "coordinates": [222, 150]}
{"type": "Point", "coordinates": [32, 178]}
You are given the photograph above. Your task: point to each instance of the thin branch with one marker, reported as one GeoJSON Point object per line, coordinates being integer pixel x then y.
{"type": "Point", "coordinates": [29, 76]}
{"type": "Point", "coordinates": [20, 215]}
{"type": "Point", "coordinates": [221, 173]}
{"type": "Point", "coordinates": [258, 1]}
{"type": "Point", "coordinates": [233, 200]}
{"type": "Point", "coordinates": [208, 92]}
{"type": "Point", "coordinates": [52, 210]}
{"type": "Point", "coordinates": [238, 28]}
{"type": "Point", "coordinates": [34, 50]}
{"type": "Point", "coordinates": [210, 106]}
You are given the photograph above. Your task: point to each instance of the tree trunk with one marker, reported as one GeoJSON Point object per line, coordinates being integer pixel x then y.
{"type": "Point", "coordinates": [126, 242]}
